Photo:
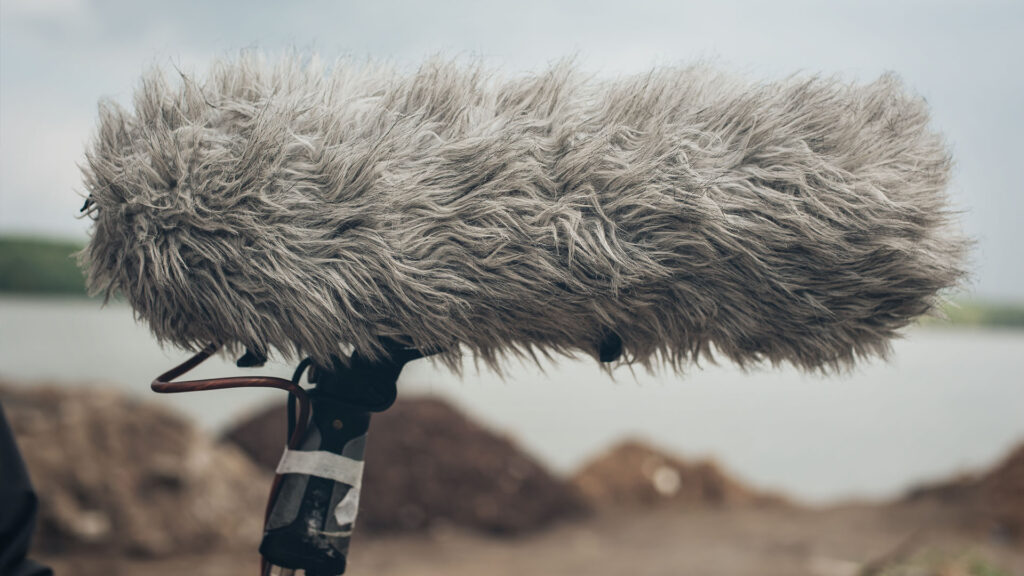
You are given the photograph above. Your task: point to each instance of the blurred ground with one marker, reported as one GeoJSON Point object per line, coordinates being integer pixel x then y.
{"type": "Point", "coordinates": [893, 540]}
{"type": "Point", "coordinates": [129, 488]}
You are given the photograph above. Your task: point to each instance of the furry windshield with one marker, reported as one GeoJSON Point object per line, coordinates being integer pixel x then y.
{"type": "Point", "coordinates": [314, 209]}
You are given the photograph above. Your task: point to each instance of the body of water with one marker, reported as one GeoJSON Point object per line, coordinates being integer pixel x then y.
{"type": "Point", "coordinates": [947, 401]}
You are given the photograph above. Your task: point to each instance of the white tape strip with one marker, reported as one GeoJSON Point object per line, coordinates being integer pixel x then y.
{"type": "Point", "coordinates": [322, 464]}
{"type": "Point", "coordinates": [346, 510]}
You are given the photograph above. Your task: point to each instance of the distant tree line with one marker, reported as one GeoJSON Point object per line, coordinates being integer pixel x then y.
{"type": "Point", "coordinates": [40, 266]}
{"type": "Point", "coordinates": [977, 313]}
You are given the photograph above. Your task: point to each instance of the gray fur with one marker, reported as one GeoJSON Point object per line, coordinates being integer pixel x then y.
{"type": "Point", "coordinates": [309, 210]}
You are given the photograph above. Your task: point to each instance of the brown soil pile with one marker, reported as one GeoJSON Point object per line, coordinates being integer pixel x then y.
{"type": "Point", "coordinates": [118, 476]}
{"type": "Point", "coordinates": [427, 464]}
{"type": "Point", "coordinates": [992, 503]}
{"type": "Point", "coordinates": [1000, 495]}
{"type": "Point", "coordinates": [633, 473]}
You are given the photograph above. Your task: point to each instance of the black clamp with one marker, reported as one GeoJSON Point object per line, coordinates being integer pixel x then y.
{"type": "Point", "coordinates": [304, 529]}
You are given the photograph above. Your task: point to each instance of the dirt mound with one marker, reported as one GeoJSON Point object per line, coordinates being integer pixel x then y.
{"type": "Point", "coordinates": [634, 473]}
{"type": "Point", "coordinates": [992, 503]}
{"type": "Point", "coordinates": [118, 476]}
{"type": "Point", "coordinates": [427, 464]}
{"type": "Point", "coordinates": [1000, 495]}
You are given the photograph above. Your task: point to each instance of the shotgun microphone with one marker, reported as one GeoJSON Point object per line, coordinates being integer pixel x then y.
{"type": "Point", "coordinates": [317, 209]}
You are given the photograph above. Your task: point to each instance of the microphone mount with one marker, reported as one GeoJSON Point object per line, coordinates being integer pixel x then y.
{"type": "Point", "coordinates": [311, 509]}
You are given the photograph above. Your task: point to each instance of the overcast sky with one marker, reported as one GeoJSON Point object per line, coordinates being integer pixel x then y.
{"type": "Point", "coordinates": [59, 57]}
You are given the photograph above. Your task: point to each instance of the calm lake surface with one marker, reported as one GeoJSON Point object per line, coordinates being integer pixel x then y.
{"type": "Point", "coordinates": [947, 401]}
